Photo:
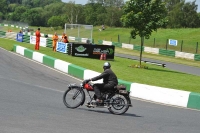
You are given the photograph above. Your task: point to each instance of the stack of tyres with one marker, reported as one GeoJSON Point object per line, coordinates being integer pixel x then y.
{"type": "Point", "coordinates": [26, 38]}
{"type": "Point", "coordinates": [2, 33]}
{"type": "Point", "coordinates": [49, 42]}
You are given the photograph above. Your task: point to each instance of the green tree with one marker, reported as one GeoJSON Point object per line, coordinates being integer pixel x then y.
{"type": "Point", "coordinates": [91, 14]}
{"type": "Point", "coordinates": [12, 7]}
{"type": "Point", "coordinates": [175, 13]}
{"type": "Point", "coordinates": [3, 6]}
{"type": "Point", "coordinates": [1, 16]}
{"type": "Point", "coordinates": [17, 14]}
{"type": "Point", "coordinates": [73, 13]}
{"type": "Point", "coordinates": [108, 3]}
{"type": "Point", "coordinates": [190, 16]}
{"type": "Point", "coordinates": [56, 21]}
{"type": "Point", "coordinates": [144, 16]}
{"type": "Point", "coordinates": [32, 17]}
{"type": "Point", "coordinates": [113, 16]}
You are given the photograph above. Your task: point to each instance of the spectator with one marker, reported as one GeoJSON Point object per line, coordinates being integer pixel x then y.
{"type": "Point", "coordinates": [55, 40]}
{"type": "Point", "coordinates": [63, 35]}
{"type": "Point", "coordinates": [38, 35]}
{"type": "Point", "coordinates": [65, 39]}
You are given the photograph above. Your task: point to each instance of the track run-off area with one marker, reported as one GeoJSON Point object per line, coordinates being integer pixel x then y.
{"type": "Point", "coordinates": [31, 102]}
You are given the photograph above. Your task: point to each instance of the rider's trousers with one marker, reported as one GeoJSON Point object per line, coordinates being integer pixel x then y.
{"type": "Point", "coordinates": [101, 87]}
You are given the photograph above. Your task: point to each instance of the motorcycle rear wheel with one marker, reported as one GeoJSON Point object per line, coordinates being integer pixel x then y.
{"type": "Point", "coordinates": [73, 97]}
{"type": "Point", "coordinates": [119, 104]}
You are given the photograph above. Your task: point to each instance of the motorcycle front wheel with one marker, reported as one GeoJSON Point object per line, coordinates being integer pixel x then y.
{"type": "Point", "coordinates": [119, 104]}
{"type": "Point", "coordinates": [73, 97]}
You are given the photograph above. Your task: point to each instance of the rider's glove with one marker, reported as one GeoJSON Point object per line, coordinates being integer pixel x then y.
{"type": "Point", "coordinates": [86, 81]}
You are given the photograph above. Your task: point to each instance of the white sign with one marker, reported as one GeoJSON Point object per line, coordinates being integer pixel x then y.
{"type": "Point", "coordinates": [173, 42]}
{"type": "Point", "coordinates": [43, 41]}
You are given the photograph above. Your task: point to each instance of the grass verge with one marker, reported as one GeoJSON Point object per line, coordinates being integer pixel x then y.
{"type": "Point", "coordinates": [154, 75]}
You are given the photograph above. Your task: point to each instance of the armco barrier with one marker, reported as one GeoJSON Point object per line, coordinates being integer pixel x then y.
{"type": "Point", "coordinates": [117, 44]}
{"type": "Point", "coordinates": [197, 57]}
{"type": "Point", "coordinates": [184, 55]}
{"type": "Point", "coordinates": [151, 50]}
{"type": "Point", "coordinates": [147, 92]}
{"type": "Point", "coordinates": [167, 52]}
{"type": "Point", "coordinates": [100, 42]}
{"type": "Point", "coordinates": [127, 46]}
{"type": "Point", "coordinates": [138, 48]}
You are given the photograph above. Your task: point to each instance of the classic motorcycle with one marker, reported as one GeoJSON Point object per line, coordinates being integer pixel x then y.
{"type": "Point", "coordinates": [117, 101]}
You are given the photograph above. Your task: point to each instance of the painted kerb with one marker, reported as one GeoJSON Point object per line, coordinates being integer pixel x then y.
{"type": "Point", "coordinates": [193, 101]}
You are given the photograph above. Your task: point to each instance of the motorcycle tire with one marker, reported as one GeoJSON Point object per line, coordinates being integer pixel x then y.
{"type": "Point", "coordinates": [119, 104]}
{"type": "Point", "coordinates": [73, 97]}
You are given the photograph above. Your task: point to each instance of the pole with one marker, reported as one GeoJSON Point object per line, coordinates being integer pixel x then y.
{"type": "Point", "coordinates": [166, 44]}
{"type": "Point", "coordinates": [154, 42]}
{"type": "Point", "coordinates": [181, 45]}
{"type": "Point", "coordinates": [197, 48]}
{"type": "Point", "coordinates": [65, 28]}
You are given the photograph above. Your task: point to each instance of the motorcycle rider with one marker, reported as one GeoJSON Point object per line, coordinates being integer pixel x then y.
{"type": "Point", "coordinates": [109, 81]}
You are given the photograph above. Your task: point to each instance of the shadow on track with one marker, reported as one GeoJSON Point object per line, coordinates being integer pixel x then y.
{"type": "Point", "coordinates": [107, 112]}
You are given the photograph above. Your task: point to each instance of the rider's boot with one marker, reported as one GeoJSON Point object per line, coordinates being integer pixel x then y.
{"type": "Point", "coordinates": [91, 104]}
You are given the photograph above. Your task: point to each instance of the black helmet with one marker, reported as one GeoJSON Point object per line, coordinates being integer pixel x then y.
{"type": "Point", "coordinates": [106, 65]}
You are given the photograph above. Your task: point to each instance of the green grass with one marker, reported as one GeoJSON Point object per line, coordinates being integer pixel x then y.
{"type": "Point", "coordinates": [155, 75]}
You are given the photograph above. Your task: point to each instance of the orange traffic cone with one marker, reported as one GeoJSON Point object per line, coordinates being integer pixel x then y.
{"type": "Point", "coordinates": [103, 57]}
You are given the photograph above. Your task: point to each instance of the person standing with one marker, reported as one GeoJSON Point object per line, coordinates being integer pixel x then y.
{"type": "Point", "coordinates": [63, 35]}
{"type": "Point", "coordinates": [38, 35]}
{"type": "Point", "coordinates": [55, 40]}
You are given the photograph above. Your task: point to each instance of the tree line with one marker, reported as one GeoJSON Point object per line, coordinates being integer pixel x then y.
{"type": "Point", "coordinates": [55, 13]}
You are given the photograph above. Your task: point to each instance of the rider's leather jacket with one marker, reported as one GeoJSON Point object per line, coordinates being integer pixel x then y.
{"type": "Point", "coordinates": [108, 76]}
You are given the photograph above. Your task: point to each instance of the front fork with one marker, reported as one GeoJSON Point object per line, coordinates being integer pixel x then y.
{"type": "Point", "coordinates": [80, 90]}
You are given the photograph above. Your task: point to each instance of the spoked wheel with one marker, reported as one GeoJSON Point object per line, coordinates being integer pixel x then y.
{"type": "Point", "coordinates": [118, 104]}
{"type": "Point", "coordinates": [73, 97]}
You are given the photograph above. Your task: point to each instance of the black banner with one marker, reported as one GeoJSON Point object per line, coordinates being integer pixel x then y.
{"type": "Point", "coordinates": [93, 51]}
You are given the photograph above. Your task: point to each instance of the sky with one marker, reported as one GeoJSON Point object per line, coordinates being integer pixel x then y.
{"type": "Point", "coordinates": [85, 1]}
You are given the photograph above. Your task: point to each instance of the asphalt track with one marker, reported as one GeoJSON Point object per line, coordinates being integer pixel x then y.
{"type": "Point", "coordinates": [31, 102]}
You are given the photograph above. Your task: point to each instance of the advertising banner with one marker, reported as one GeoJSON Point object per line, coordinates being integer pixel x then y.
{"type": "Point", "coordinates": [19, 37]}
{"type": "Point", "coordinates": [93, 51]}
{"type": "Point", "coordinates": [61, 47]}
{"type": "Point", "coordinates": [43, 41]}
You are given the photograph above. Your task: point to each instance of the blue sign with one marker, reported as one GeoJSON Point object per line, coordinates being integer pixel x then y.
{"type": "Point", "coordinates": [19, 37]}
{"type": "Point", "coordinates": [173, 42]}
{"type": "Point", "coordinates": [61, 47]}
